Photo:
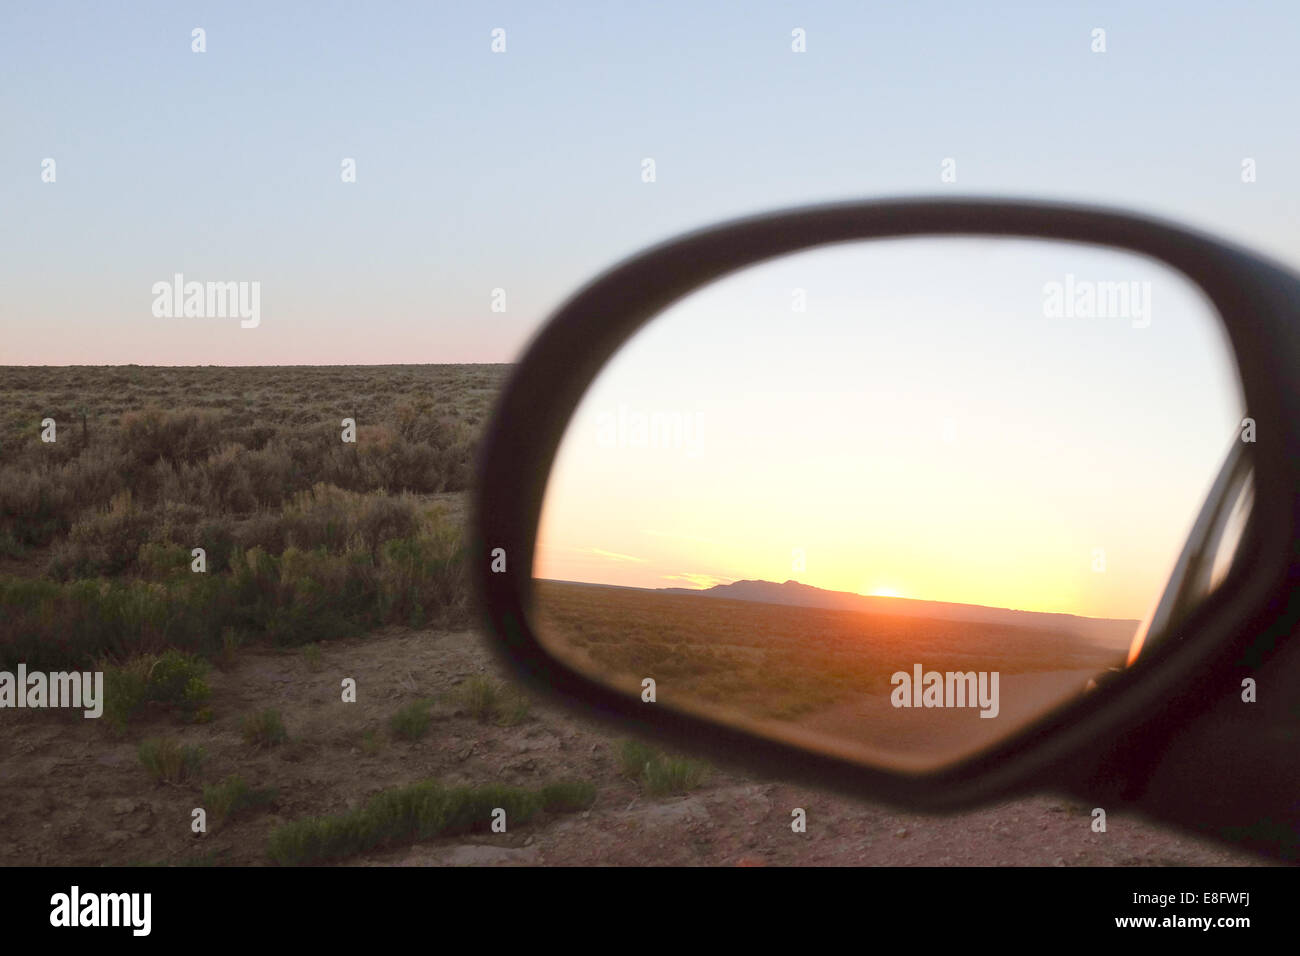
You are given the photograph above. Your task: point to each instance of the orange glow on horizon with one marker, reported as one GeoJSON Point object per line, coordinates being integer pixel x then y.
{"type": "Point", "coordinates": [924, 432]}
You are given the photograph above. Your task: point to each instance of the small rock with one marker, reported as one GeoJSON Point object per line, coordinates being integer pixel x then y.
{"type": "Point", "coordinates": [123, 805]}
{"type": "Point", "coordinates": [901, 832]}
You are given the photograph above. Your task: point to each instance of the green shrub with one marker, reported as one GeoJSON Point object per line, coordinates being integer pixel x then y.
{"type": "Point", "coordinates": [172, 678]}
{"type": "Point", "coordinates": [263, 729]}
{"type": "Point", "coordinates": [161, 560]}
{"type": "Point", "coordinates": [634, 757]}
{"type": "Point", "coordinates": [658, 773]}
{"type": "Point", "coordinates": [412, 720]}
{"type": "Point", "coordinates": [56, 626]}
{"type": "Point", "coordinates": [125, 687]}
{"type": "Point", "coordinates": [674, 775]}
{"type": "Point", "coordinates": [232, 797]}
{"type": "Point", "coordinates": [427, 571]}
{"type": "Point", "coordinates": [486, 700]}
{"type": "Point", "coordinates": [168, 760]}
{"type": "Point", "coordinates": [568, 796]}
{"type": "Point", "coordinates": [106, 542]}
{"type": "Point", "coordinates": [178, 678]}
{"type": "Point", "coordinates": [412, 813]}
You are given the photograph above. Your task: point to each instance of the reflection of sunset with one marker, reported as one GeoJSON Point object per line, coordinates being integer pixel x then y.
{"type": "Point", "coordinates": [907, 437]}
{"type": "Point", "coordinates": [699, 581]}
{"type": "Point", "coordinates": [824, 676]}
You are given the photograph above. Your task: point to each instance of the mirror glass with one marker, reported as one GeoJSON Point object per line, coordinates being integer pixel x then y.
{"type": "Point", "coordinates": [892, 500]}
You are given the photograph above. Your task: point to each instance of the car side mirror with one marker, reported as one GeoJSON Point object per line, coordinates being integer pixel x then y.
{"type": "Point", "coordinates": [932, 502]}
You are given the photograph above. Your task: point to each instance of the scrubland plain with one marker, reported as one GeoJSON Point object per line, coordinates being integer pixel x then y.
{"type": "Point", "coordinates": [304, 536]}
{"type": "Point", "coordinates": [818, 675]}
{"type": "Point", "coordinates": [328, 562]}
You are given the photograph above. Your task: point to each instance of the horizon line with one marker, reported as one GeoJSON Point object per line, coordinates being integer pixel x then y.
{"type": "Point", "coordinates": [873, 597]}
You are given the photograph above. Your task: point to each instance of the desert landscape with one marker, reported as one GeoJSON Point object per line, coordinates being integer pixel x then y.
{"type": "Point", "coordinates": [326, 562]}
{"type": "Point", "coordinates": [815, 666]}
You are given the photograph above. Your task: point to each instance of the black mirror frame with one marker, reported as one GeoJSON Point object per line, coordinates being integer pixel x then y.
{"type": "Point", "coordinates": [1243, 623]}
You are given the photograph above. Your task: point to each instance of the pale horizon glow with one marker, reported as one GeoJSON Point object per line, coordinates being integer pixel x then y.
{"type": "Point", "coordinates": [922, 430]}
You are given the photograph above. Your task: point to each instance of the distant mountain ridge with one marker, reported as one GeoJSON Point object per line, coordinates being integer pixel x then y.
{"type": "Point", "coordinates": [1111, 632]}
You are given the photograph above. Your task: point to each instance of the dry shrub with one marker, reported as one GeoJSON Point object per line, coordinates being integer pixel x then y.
{"type": "Point", "coordinates": [336, 519]}
{"type": "Point", "coordinates": [184, 435]}
{"type": "Point", "coordinates": [104, 542]}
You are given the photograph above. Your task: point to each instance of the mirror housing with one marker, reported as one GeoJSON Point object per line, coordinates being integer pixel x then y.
{"type": "Point", "coordinates": [1110, 742]}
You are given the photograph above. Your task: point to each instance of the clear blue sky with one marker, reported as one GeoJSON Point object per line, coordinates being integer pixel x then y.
{"type": "Point", "coordinates": [522, 170]}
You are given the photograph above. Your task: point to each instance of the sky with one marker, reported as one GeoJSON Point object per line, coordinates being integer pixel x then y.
{"type": "Point", "coordinates": [907, 418]}
{"type": "Point", "coordinates": [522, 170]}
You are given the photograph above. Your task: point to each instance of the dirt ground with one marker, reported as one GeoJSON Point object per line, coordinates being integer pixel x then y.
{"type": "Point", "coordinates": [71, 792]}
